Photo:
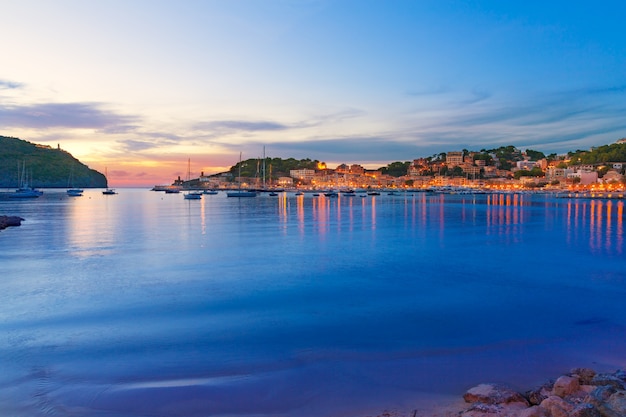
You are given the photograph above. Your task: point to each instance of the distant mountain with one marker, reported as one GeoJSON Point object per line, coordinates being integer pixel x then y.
{"type": "Point", "coordinates": [45, 167]}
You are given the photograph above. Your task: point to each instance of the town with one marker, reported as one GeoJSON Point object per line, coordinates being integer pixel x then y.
{"type": "Point", "coordinates": [600, 169]}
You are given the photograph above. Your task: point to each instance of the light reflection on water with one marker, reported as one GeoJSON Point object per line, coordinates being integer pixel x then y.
{"type": "Point", "coordinates": [144, 303]}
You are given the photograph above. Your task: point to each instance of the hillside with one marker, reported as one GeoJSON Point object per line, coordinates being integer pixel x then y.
{"type": "Point", "coordinates": [46, 167]}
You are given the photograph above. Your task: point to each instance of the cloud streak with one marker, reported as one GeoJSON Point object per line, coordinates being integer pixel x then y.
{"type": "Point", "coordinates": [63, 115]}
{"type": "Point", "coordinates": [226, 126]}
{"type": "Point", "coordinates": [9, 85]}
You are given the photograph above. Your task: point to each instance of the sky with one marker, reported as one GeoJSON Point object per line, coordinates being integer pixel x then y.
{"type": "Point", "coordinates": [141, 87]}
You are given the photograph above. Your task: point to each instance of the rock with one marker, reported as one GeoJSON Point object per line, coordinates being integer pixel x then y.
{"type": "Point", "coordinates": [534, 411]}
{"type": "Point", "coordinates": [585, 375]}
{"type": "Point", "coordinates": [496, 410]}
{"type": "Point", "coordinates": [617, 402]}
{"type": "Point", "coordinates": [584, 410]}
{"type": "Point", "coordinates": [557, 406]}
{"type": "Point", "coordinates": [493, 394]}
{"type": "Point", "coordinates": [609, 401]}
{"type": "Point", "coordinates": [6, 221]}
{"type": "Point", "coordinates": [608, 380]}
{"type": "Point", "coordinates": [537, 395]}
{"type": "Point", "coordinates": [566, 385]}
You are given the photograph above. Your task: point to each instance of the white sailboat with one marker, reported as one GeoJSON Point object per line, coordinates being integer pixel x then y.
{"type": "Point", "coordinates": [24, 189]}
{"type": "Point", "coordinates": [71, 190]}
{"type": "Point", "coordinates": [240, 192]}
{"type": "Point", "coordinates": [108, 191]}
{"type": "Point", "coordinates": [191, 195]}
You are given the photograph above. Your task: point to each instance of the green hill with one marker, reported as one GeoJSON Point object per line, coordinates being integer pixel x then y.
{"type": "Point", "coordinates": [45, 167]}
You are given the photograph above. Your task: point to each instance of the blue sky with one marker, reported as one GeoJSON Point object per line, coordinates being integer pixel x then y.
{"type": "Point", "coordinates": [141, 86]}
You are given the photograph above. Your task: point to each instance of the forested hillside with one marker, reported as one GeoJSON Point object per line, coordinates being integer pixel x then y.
{"type": "Point", "coordinates": [45, 167]}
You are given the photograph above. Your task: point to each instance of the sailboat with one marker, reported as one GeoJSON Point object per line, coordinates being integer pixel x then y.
{"type": "Point", "coordinates": [71, 190]}
{"type": "Point", "coordinates": [24, 190]}
{"type": "Point", "coordinates": [108, 191]}
{"type": "Point", "coordinates": [240, 192]}
{"type": "Point", "coordinates": [191, 195]}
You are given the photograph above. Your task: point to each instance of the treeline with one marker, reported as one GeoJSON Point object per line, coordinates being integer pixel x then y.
{"type": "Point", "coordinates": [276, 167]}
{"type": "Point", "coordinates": [615, 152]}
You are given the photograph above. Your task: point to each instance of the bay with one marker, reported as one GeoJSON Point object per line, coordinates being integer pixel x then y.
{"type": "Point", "coordinates": [146, 304]}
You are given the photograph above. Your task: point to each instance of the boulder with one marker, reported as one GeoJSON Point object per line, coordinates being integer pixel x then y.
{"type": "Point", "coordinates": [534, 411]}
{"type": "Point", "coordinates": [6, 221]}
{"type": "Point", "coordinates": [610, 402]}
{"type": "Point", "coordinates": [515, 409]}
{"type": "Point", "coordinates": [557, 406]}
{"type": "Point", "coordinates": [537, 395]}
{"type": "Point", "coordinates": [617, 403]}
{"type": "Point", "coordinates": [608, 380]}
{"type": "Point", "coordinates": [585, 410]}
{"type": "Point", "coordinates": [493, 394]}
{"type": "Point", "coordinates": [585, 375]}
{"type": "Point", "coordinates": [566, 385]}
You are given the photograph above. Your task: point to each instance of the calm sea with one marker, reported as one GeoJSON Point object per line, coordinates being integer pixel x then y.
{"type": "Point", "coordinates": [146, 304]}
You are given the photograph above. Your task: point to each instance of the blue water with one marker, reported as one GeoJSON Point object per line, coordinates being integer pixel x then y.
{"type": "Point", "coordinates": [146, 304]}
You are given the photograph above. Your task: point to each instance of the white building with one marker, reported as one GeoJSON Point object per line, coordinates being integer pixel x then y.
{"type": "Point", "coordinates": [302, 174]}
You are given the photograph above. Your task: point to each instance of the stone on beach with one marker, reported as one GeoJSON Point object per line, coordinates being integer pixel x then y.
{"type": "Point", "coordinates": [566, 385]}
{"type": "Point", "coordinates": [493, 394]}
{"type": "Point", "coordinates": [6, 221]}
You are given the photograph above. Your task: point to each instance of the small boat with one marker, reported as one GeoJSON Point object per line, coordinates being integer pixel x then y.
{"type": "Point", "coordinates": [74, 192]}
{"type": "Point", "coordinates": [209, 192]}
{"type": "Point", "coordinates": [331, 194]}
{"type": "Point", "coordinates": [172, 191]}
{"type": "Point", "coordinates": [241, 193]}
{"type": "Point", "coordinates": [25, 192]}
{"type": "Point", "coordinates": [373, 193]}
{"type": "Point", "coordinates": [194, 195]}
{"type": "Point", "coordinates": [273, 194]}
{"type": "Point", "coordinates": [298, 193]}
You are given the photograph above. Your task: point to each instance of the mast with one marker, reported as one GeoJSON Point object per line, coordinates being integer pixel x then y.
{"type": "Point", "coordinates": [264, 167]}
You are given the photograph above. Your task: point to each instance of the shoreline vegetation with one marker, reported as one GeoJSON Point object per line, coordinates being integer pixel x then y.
{"type": "Point", "coordinates": [582, 392]}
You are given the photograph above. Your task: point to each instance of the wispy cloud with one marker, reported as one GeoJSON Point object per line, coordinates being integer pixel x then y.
{"type": "Point", "coordinates": [240, 126]}
{"type": "Point", "coordinates": [9, 85]}
{"type": "Point", "coordinates": [67, 115]}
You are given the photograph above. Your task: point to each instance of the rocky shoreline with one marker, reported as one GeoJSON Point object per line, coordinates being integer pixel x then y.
{"type": "Point", "coordinates": [580, 393]}
{"type": "Point", "coordinates": [7, 221]}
